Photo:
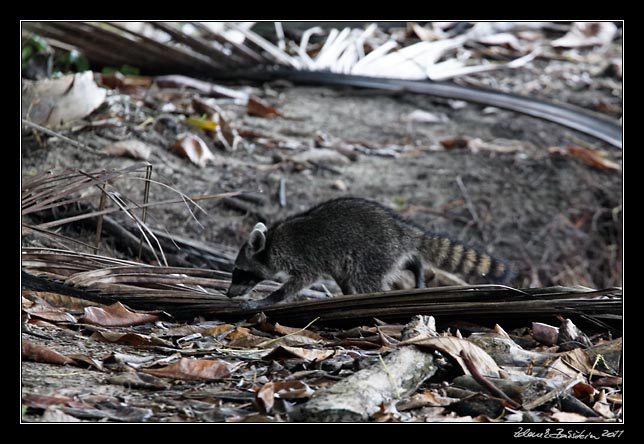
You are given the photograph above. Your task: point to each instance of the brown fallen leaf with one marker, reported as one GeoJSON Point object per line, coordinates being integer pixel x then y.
{"type": "Point", "coordinates": [453, 347]}
{"type": "Point", "coordinates": [602, 407]}
{"type": "Point", "coordinates": [297, 331]}
{"type": "Point", "coordinates": [583, 392]}
{"type": "Point", "coordinates": [309, 355]}
{"type": "Point", "coordinates": [60, 300]}
{"type": "Point", "coordinates": [129, 148]}
{"type": "Point", "coordinates": [245, 340]}
{"type": "Point", "coordinates": [544, 333]}
{"type": "Point", "coordinates": [194, 148]}
{"type": "Point", "coordinates": [41, 309]}
{"type": "Point", "coordinates": [38, 353]}
{"type": "Point", "coordinates": [133, 339]}
{"type": "Point", "coordinates": [588, 156]}
{"type": "Point", "coordinates": [450, 143]}
{"type": "Point", "coordinates": [226, 135]}
{"type": "Point", "coordinates": [425, 398]}
{"type": "Point", "coordinates": [117, 315]}
{"type": "Point", "coordinates": [593, 158]}
{"type": "Point", "coordinates": [284, 390]}
{"type": "Point", "coordinates": [235, 332]}
{"type": "Point", "coordinates": [44, 324]}
{"type": "Point", "coordinates": [259, 108]}
{"type": "Point", "coordinates": [608, 381]}
{"type": "Point", "coordinates": [79, 357]}
{"type": "Point", "coordinates": [38, 401]}
{"type": "Point", "coordinates": [580, 360]}
{"type": "Point", "coordinates": [118, 80]}
{"type": "Point", "coordinates": [186, 330]}
{"type": "Point", "coordinates": [195, 369]}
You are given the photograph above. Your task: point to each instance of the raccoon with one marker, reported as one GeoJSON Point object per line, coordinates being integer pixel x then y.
{"type": "Point", "coordinates": [361, 244]}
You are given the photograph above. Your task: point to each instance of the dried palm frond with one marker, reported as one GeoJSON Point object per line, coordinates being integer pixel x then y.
{"type": "Point", "coordinates": [52, 200]}
{"type": "Point", "coordinates": [190, 292]}
{"type": "Point", "coordinates": [234, 51]}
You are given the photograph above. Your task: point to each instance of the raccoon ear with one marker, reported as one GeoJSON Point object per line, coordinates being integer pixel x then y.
{"type": "Point", "coordinates": [257, 240]}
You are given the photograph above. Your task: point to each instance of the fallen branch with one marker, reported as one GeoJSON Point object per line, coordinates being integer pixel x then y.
{"type": "Point", "coordinates": [362, 394]}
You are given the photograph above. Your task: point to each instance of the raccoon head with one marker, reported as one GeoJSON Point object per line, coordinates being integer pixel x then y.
{"type": "Point", "coordinates": [250, 266]}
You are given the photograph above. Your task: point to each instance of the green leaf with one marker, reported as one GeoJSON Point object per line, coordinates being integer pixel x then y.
{"type": "Point", "coordinates": [27, 52]}
{"type": "Point", "coordinates": [78, 60]}
{"type": "Point", "coordinates": [40, 43]}
{"type": "Point", "coordinates": [128, 70]}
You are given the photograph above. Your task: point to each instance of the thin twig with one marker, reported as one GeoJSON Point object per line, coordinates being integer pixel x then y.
{"type": "Point", "coordinates": [484, 382]}
{"type": "Point", "coordinates": [57, 235]}
{"type": "Point", "coordinates": [99, 223]}
{"type": "Point", "coordinates": [144, 210]}
{"type": "Point", "coordinates": [272, 341]}
{"type": "Point", "coordinates": [58, 222]}
{"type": "Point", "coordinates": [74, 143]}
{"type": "Point", "coordinates": [470, 207]}
{"type": "Point", "coordinates": [282, 192]}
{"type": "Point", "coordinates": [389, 376]}
{"type": "Point", "coordinates": [559, 390]}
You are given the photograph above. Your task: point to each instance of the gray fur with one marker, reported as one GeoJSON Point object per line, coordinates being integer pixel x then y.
{"type": "Point", "coordinates": [359, 243]}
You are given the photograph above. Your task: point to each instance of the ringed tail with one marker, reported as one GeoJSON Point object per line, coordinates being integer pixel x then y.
{"type": "Point", "coordinates": [456, 257]}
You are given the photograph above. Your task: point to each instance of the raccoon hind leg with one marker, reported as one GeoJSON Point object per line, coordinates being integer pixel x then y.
{"type": "Point", "coordinates": [415, 265]}
{"type": "Point", "coordinates": [347, 287]}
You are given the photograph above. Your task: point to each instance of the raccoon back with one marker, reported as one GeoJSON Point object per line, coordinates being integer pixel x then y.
{"type": "Point", "coordinates": [340, 230]}
{"type": "Point", "coordinates": [353, 235]}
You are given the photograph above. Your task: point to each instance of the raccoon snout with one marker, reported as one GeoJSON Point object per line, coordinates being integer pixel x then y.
{"type": "Point", "coordinates": [237, 290]}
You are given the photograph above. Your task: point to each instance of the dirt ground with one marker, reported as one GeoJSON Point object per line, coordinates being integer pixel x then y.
{"type": "Point", "coordinates": [557, 220]}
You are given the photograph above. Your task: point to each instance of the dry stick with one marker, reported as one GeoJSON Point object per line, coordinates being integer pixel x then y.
{"type": "Point", "coordinates": [165, 52]}
{"type": "Point", "coordinates": [53, 197]}
{"type": "Point", "coordinates": [484, 382]}
{"type": "Point", "coordinates": [279, 55]}
{"type": "Point", "coordinates": [239, 205]}
{"type": "Point", "coordinates": [470, 207]}
{"type": "Point", "coordinates": [140, 225]}
{"type": "Point", "coordinates": [50, 190]}
{"type": "Point", "coordinates": [99, 223]}
{"type": "Point", "coordinates": [65, 138]}
{"type": "Point", "coordinates": [52, 234]}
{"type": "Point", "coordinates": [144, 210]}
{"type": "Point", "coordinates": [215, 58]}
{"type": "Point", "coordinates": [550, 395]}
{"type": "Point", "coordinates": [58, 222]}
{"type": "Point", "coordinates": [142, 228]}
{"type": "Point", "coordinates": [282, 192]}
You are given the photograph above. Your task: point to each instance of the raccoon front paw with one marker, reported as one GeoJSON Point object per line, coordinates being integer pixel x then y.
{"type": "Point", "coordinates": [249, 305]}
{"type": "Point", "coordinates": [254, 305]}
